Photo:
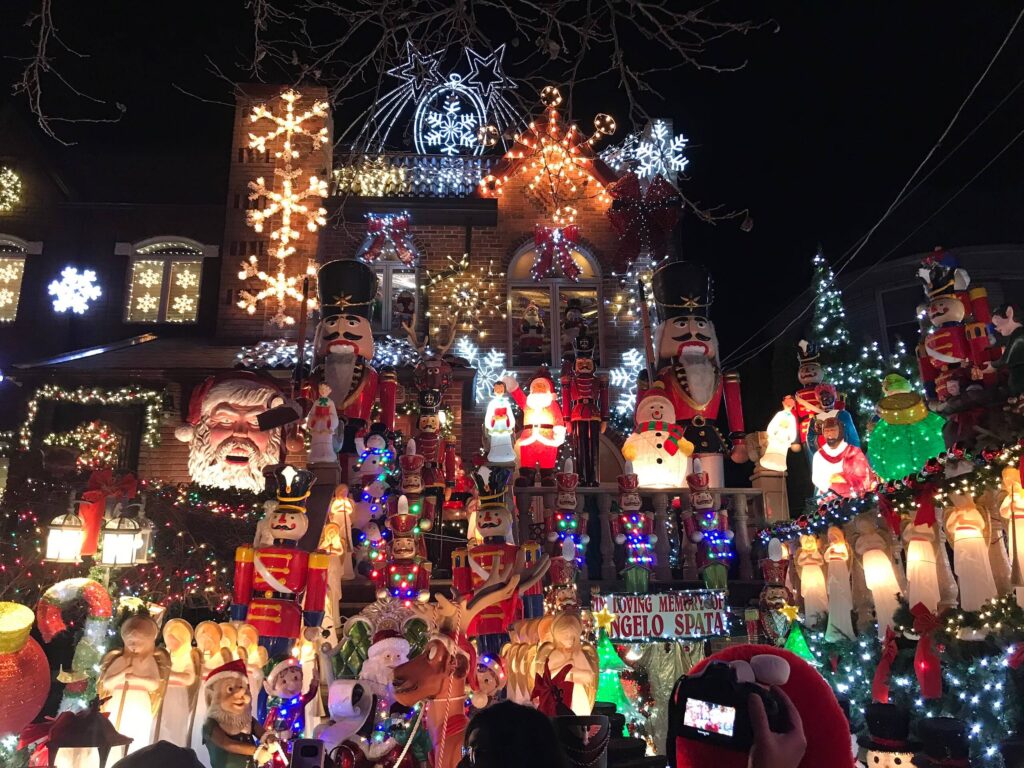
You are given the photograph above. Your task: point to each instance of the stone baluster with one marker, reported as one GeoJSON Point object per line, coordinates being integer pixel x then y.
{"type": "Point", "coordinates": [582, 516]}
{"type": "Point", "coordinates": [604, 509]}
{"type": "Point", "coordinates": [741, 527]}
{"type": "Point", "coordinates": [662, 566]}
{"type": "Point", "coordinates": [687, 550]}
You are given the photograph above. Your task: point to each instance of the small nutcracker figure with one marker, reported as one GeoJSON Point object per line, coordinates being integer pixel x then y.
{"type": "Point", "coordinates": [438, 455]}
{"type": "Point", "coordinates": [344, 348]}
{"type": "Point", "coordinates": [708, 528]}
{"type": "Point", "coordinates": [406, 574]}
{"type": "Point", "coordinates": [585, 401]}
{"type": "Point", "coordinates": [956, 354]}
{"type": "Point", "coordinates": [634, 528]}
{"type": "Point", "coordinates": [693, 378]}
{"type": "Point", "coordinates": [775, 599]}
{"type": "Point", "coordinates": [472, 566]}
{"type": "Point", "coordinates": [566, 531]}
{"type": "Point", "coordinates": [271, 580]}
{"type": "Point", "coordinates": [543, 429]}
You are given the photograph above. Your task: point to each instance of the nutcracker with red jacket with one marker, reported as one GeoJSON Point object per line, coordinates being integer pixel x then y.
{"type": "Point", "coordinates": [472, 566]}
{"type": "Point", "coordinates": [543, 429]}
{"type": "Point", "coordinates": [566, 530]}
{"type": "Point", "coordinates": [955, 351]}
{"type": "Point", "coordinates": [693, 378]}
{"type": "Point", "coordinates": [634, 528]}
{"type": "Point", "coordinates": [280, 588]}
{"type": "Point", "coordinates": [438, 455]}
{"type": "Point", "coordinates": [585, 402]}
{"type": "Point", "coordinates": [344, 348]}
{"type": "Point", "coordinates": [405, 575]}
{"type": "Point", "coordinates": [708, 528]}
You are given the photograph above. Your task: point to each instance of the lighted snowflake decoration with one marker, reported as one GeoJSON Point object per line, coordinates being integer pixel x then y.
{"type": "Point", "coordinates": [651, 153]}
{"type": "Point", "coordinates": [10, 272]}
{"type": "Point", "coordinates": [186, 279]}
{"type": "Point", "coordinates": [74, 290]}
{"type": "Point", "coordinates": [10, 189]}
{"type": "Point", "coordinates": [279, 286]}
{"type": "Point", "coordinates": [624, 378]}
{"type": "Point", "coordinates": [146, 303]}
{"type": "Point", "coordinates": [450, 130]}
{"type": "Point", "coordinates": [149, 278]}
{"type": "Point", "coordinates": [183, 304]}
{"type": "Point", "coordinates": [490, 366]}
{"type": "Point", "coordinates": [6, 297]}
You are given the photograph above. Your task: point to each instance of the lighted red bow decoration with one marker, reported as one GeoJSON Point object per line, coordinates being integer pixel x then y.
{"type": "Point", "coordinates": [643, 220]}
{"type": "Point", "coordinates": [553, 694]}
{"type": "Point", "coordinates": [926, 661]}
{"type": "Point", "coordinates": [880, 682]}
{"type": "Point", "coordinates": [389, 230]}
{"type": "Point", "coordinates": [120, 487]}
{"type": "Point", "coordinates": [555, 242]}
{"type": "Point", "coordinates": [1016, 656]}
{"type": "Point", "coordinates": [888, 512]}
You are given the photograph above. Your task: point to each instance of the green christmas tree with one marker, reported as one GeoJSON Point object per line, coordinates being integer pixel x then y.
{"type": "Point", "coordinates": [857, 375]}
{"type": "Point", "coordinates": [609, 683]}
{"type": "Point", "coordinates": [796, 642]}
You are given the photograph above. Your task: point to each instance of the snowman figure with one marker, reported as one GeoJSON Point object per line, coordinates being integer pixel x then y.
{"type": "Point", "coordinates": [887, 742]}
{"type": "Point", "coordinates": [374, 467]}
{"type": "Point", "coordinates": [657, 448]}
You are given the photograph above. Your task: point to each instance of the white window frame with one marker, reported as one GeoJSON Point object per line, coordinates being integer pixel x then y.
{"type": "Point", "coordinates": [389, 268]}
{"type": "Point", "coordinates": [25, 248]}
{"type": "Point", "coordinates": [201, 252]}
{"type": "Point", "coordinates": [554, 285]}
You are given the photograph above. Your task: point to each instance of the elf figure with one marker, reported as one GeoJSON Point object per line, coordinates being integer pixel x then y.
{"type": "Point", "coordinates": [406, 574]}
{"type": "Point", "coordinates": [708, 528]}
{"type": "Point", "coordinates": [543, 429]}
{"type": "Point", "coordinates": [322, 423]}
{"type": "Point", "coordinates": [634, 529]}
{"type": "Point", "coordinates": [693, 378]}
{"type": "Point", "coordinates": [270, 581]}
{"type": "Point", "coordinates": [565, 530]}
{"type": "Point", "coordinates": [286, 703]}
{"type": "Point", "coordinates": [585, 400]}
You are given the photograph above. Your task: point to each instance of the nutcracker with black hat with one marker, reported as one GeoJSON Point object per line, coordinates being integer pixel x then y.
{"type": "Point", "coordinates": [943, 744]}
{"type": "Point", "coordinates": [271, 581]}
{"type": "Point", "coordinates": [585, 406]}
{"type": "Point", "coordinates": [438, 455]}
{"type": "Point", "coordinates": [344, 348]}
{"type": "Point", "coordinates": [687, 348]}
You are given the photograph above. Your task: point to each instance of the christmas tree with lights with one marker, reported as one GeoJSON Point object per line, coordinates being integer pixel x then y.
{"type": "Point", "coordinates": [609, 682]}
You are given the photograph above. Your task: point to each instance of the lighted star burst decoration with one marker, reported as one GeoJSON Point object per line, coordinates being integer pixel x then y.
{"type": "Point", "coordinates": [10, 189]}
{"type": "Point", "coordinates": [289, 206]}
{"type": "Point", "coordinates": [74, 290]}
{"type": "Point", "coordinates": [556, 160]}
{"type": "Point", "coordinates": [463, 297]}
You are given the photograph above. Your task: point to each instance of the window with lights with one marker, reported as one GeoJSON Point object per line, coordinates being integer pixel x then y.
{"type": "Point", "coordinates": [397, 290]}
{"type": "Point", "coordinates": [164, 280]}
{"type": "Point", "coordinates": [12, 270]}
{"type": "Point", "coordinates": [546, 314]}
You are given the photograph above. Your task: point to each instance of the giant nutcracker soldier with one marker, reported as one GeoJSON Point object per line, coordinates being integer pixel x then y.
{"type": "Point", "coordinates": [693, 377]}
{"type": "Point", "coordinates": [271, 581]}
{"type": "Point", "coordinates": [585, 403]}
{"type": "Point", "coordinates": [543, 429]}
{"type": "Point", "coordinates": [472, 566]}
{"type": "Point", "coordinates": [344, 348]}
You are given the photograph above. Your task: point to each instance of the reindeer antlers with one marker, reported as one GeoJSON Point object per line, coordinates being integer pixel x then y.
{"type": "Point", "coordinates": [420, 346]}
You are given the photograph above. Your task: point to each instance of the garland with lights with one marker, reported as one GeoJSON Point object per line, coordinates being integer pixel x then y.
{"type": "Point", "coordinates": [10, 189]}
{"type": "Point", "coordinates": [150, 399]}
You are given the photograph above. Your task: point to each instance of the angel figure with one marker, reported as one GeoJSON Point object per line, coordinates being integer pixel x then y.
{"type": "Point", "coordinates": [566, 648]}
{"type": "Point", "coordinates": [840, 596]}
{"type": "Point", "coordinates": [175, 721]}
{"type": "Point", "coordinates": [812, 580]}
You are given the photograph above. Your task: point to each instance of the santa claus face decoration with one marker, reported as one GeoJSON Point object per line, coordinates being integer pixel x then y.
{"type": "Point", "coordinates": [227, 449]}
{"type": "Point", "coordinates": [687, 336]}
{"type": "Point", "coordinates": [494, 522]}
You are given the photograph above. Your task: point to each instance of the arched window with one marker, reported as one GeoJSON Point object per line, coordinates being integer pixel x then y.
{"type": "Point", "coordinates": [13, 251]}
{"type": "Point", "coordinates": [165, 276]}
{"type": "Point", "coordinates": [397, 294]}
{"type": "Point", "coordinates": [545, 315]}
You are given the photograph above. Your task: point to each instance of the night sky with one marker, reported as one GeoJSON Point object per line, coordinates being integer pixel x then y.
{"type": "Point", "coordinates": [815, 136]}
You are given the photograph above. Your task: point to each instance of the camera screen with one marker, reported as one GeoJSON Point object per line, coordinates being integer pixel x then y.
{"type": "Point", "coordinates": [709, 717]}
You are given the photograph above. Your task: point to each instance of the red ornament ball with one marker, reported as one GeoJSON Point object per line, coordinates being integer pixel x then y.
{"type": "Point", "coordinates": [24, 671]}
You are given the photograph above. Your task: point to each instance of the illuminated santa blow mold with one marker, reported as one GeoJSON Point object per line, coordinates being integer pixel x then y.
{"type": "Point", "coordinates": [657, 447]}
{"type": "Point", "coordinates": [227, 449]}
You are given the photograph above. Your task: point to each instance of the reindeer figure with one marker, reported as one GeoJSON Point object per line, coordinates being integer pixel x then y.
{"type": "Point", "coordinates": [439, 675]}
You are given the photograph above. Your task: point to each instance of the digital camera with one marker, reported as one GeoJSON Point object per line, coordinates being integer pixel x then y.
{"type": "Point", "coordinates": [712, 706]}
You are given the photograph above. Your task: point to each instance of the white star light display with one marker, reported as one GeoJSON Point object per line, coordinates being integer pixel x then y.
{"type": "Point", "coordinates": [74, 290]}
{"type": "Point", "coordinates": [651, 153]}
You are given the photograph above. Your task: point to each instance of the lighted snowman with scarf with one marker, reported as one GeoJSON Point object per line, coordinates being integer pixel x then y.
{"type": "Point", "coordinates": [657, 448]}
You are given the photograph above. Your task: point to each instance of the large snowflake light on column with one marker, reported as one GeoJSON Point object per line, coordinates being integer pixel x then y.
{"type": "Point", "coordinates": [624, 378]}
{"type": "Point", "coordinates": [289, 205]}
{"type": "Point", "coordinates": [10, 189]}
{"type": "Point", "coordinates": [653, 152]}
{"type": "Point", "coordinates": [490, 366]}
{"type": "Point", "coordinates": [74, 290]}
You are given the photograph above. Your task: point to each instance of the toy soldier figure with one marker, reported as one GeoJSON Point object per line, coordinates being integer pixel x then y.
{"type": "Point", "coordinates": [270, 581]}
{"type": "Point", "coordinates": [438, 455]}
{"type": "Point", "coordinates": [708, 528]}
{"type": "Point", "coordinates": [585, 405]}
{"type": "Point", "coordinates": [634, 528]}
{"type": "Point", "coordinates": [693, 377]}
{"type": "Point", "coordinates": [405, 575]}
{"type": "Point", "coordinates": [344, 348]}
{"type": "Point", "coordinates": [566, 531]}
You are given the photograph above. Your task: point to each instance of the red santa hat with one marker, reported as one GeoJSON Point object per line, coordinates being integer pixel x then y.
{"type": "Point", "coordinates": [542, 381]}
{"type": "Point", "coordinates": [825, 725]}
{"type": "Point", "coordinates": [234, 668]}
{"type": "Point", "coordinates": [276, 668]}
{"type": "Point", "coordinates": [246, 379]}
{"type": "Point", "coordinates": [388, 641]}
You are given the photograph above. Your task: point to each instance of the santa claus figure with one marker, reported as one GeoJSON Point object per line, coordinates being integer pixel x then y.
{"type": "Point", "coordinates": [838, 467]}
{"type": "Point", "coordinates": [321, 423]}
{"type": "Point", "coordinates": [500, 428]}
{"type": "Point", "coordinates": [585, 401]}
{"type": "Point", "coordinates": [543, 429]}
{"type": "Point", "coordinates": [388, 649]}
{"type": "Point", "coordinates": [344, 348]}
{"type": "Point", "coordinates": [227, 448]}
{"type": "Point", "coordinates": [708, 528]}
{"type": "Point", "coordinates": [658, 448]}
{"type": "Point", "coordinates": [693, 378]}
{"type": "Point", "coordinates": [532, 335]}
{"type": "Point", "coordinates": [271, 580]}
{"type": "Point", "coordinates": [471, 567]}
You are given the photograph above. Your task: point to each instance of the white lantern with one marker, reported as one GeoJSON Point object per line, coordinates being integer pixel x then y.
{"type": "Point", "coordinates": [121, 540]}
{"type": "Point", "coordinates": [64, 539]}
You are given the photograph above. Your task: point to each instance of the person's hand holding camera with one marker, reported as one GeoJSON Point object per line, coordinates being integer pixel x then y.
{"type": "Point", "coordinates": [770, 749]}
